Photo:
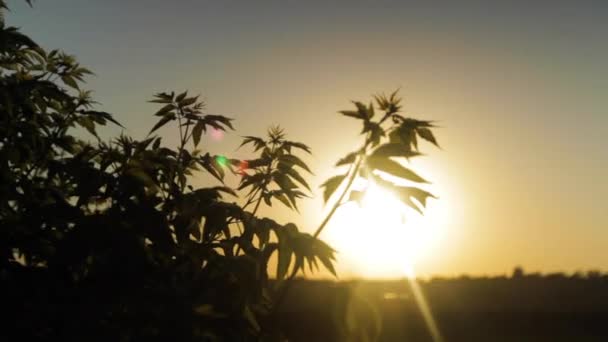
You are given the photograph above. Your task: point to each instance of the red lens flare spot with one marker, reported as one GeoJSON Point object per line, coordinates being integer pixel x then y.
{"type": "Point", "coordinates": [243, 166]}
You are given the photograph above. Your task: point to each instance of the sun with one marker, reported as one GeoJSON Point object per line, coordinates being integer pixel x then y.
{"type": "Point", "coordinates": [380, 237]}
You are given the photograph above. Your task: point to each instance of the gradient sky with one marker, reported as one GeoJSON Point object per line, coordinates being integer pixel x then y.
{"type": "Point", "coordinates": [520, 90]}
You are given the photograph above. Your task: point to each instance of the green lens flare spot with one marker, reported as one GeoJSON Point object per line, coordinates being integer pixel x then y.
{"type": "Point", "coordinates": [221, 160]}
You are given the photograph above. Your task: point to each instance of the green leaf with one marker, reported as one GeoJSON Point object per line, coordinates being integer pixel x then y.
{"type": "Point", "coordinates": [290, 159]}
{"type": "Point", "coordinates": [324, 253]}
{"type": "Point", "coordinates": [412, 192]}
{"type": "Point", "coordinates": [356, 196]}
{"type": "Point", "coordinates": [370, 111]}
{"type": "Point", "coordinates": [329, 265]}
{"type": "Point", "coordinates": [395, 169]}
{"type": "Point", "coordinates": [69, 80]}
{"type": "Point", "coordinates": [250, 317]}
{"type": "Point", "coordinates": [376, 132]}
{"type": "Point", "coordinates": [259, 162]}
{"type": "Point", "coordinates": [163, 121]}
{"type": "Point", "coordinates": [162, 98]}
{"type": "Point", "coordinates": [258, 143]}
{"type": "Point", "coordinates": [394, 150]}
{"type": "Point", "coordinates": [181, 96]}
{"type": "Point", "coordinates": [187, 101]}
{"type": "Point", "coordinates": [142, 176]}
{"type": "Point", "coordinates": [331, 185]}
{"type": "Point", "coordinates": [348, 159]}
{"type": "Point", "coordinates": [197, 131]}
{"type": "Point", "coordinates": [166, 109]}
{"type": "Point", "coordinates": [224, 189]}
{"type": "Point", "coordinates": [247, 180]}
{"type": "Point", "coordinates": [362, 110]}
{"type": "Point", "coordinates": [281, 197]}
{"type": "Point", "coordinates": [88, 124]}
{"type": "Point", "coordinates": [211, 165]}
{"type": "Point", "coordinates": [285, 253]}
{"type": "Point", "coordinates": [156, 143]}
{"type": "Point", "coordinates": [298, 145]}
{"type": "Point", "coordinates": [427, 135]}
{"type": "Point", "coordinates": [351, 113]}
{"type": "Point", "coordinates": [295, 175]}
{"type": "Point", "coordinates": [219, 118]}
{"type": "Point", "coordinates": [284, 182]}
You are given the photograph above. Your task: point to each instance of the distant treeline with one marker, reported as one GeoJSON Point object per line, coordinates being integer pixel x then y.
{"type": "Point", "coordinates": [519, 272]}
{"type": "Point", "coordinates": [518, 307]}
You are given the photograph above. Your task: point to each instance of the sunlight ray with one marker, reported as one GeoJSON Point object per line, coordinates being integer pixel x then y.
{"type": "Point", "coordinates": [425, 309]}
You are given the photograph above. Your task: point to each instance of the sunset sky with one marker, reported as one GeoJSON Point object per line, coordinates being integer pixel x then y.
{"type": "Point", "coordinates": [520, 91]}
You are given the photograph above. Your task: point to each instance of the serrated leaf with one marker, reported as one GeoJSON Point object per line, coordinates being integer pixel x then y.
{"type": "Point", "coordinates": [249, 180]}
{"type": "Point", "coordinates": [220, 118]}
{"type": "Point", "coordinates": [298, 145]}
{"type": "Point", "coordinates": [331, 185]}
{"type": "Point", "coordinates": [295, 175]}
{"type": "Point", "coordinates": [394, 150]}
{"type": "Point", "coordinates": [250, 317]}
{"type": "Point", "coordinates": [163, 121]}
{"type": "Point", "coordinates": [348, 159]}
{"type": "Point", "coordinates": [281, 197]}
{"type": "Point", "coordinates": [362, 110]}
{"type": "Point", "coordinates": [329, 265]}
{"type": "Point", "coordinates": [259, 162]}
{"type": "Point", "coordinates": [427, 135]}
{"type": "Point", "coordinates": [351, 113]}
{"type": "Point", "coordinates": [291, 172]}
{"type": "Point", "coordinates": [325, 254]}
{"type": "Point", "coordinates": [370, 111]}
{"type": "Point", "coordinates": [284, 182]}
{"type": "Point", "coordinates": [88, 124]}
{"type": "Point", "coordinates": [69, 81]}
{"type": "Point", "coordinates": [356, 196]}
{"type": "Point", "coordinates": [376, 133]}
{"type": "Point", "coordinates": [181, 96]}
{"type": "Point", "coordinates": [395, 169]}
{"type": "Point", "coordinates": [225, 189]}
{"type": "Point", "coordinates": [285, 253]}
{"type": "Point", "coordinates": [187, 101]}
{"type": "Point", "coordinates": [291, 159]}
{"type": "Point", "coordinates": [412, 192]}
{"type": "Point", "coordinates": [197, 131]}
{"type": "Point", "coordinates": [210, 164]}
{"type": "Point", "coordinates": [166, 109]}
{"type": "Point", "coordinates": [258, 143]}
{"type": "Point", "coordinates": [156, 143]}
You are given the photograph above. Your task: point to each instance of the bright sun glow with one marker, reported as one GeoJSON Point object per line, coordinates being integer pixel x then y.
{"type": "Point", "coordinates": [381, 237]}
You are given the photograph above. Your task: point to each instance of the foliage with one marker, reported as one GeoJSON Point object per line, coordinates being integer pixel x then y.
{"type": "Point", "coordinates": [111, 240]}
{"type": "Point", "coordinates": [391, 137]}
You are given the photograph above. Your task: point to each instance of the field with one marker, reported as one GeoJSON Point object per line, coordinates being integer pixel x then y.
{"type": "Point", "coordinates": [528, 308]}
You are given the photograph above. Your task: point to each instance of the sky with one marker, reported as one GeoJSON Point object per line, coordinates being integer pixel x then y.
{"type": "Point", "coordinates": [518, 88]}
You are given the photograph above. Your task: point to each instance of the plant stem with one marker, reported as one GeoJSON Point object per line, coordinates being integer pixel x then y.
{"type": "Point", "coordinates": [351, 179]}
{"type": "Point", "coordinates": [353, 175]}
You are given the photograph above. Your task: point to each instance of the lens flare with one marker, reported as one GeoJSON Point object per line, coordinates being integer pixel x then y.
{"type": "Point", "coordinates": [221, 160]}
{"type": "Point", "coordinates": [216, 134]}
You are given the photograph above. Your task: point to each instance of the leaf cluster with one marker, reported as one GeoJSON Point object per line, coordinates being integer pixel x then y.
{"type": "Point", "coordinates": [390, 139]}
{"type": "Point", "coordinates": [112, 237]}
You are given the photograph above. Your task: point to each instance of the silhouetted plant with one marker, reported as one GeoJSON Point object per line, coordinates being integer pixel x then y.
{"type": "Point", "coordinates": [111, 240]}
{"type": "Point", "coordinates": [388, 137]}
{"type": "Point", "coordinates": [391, 136]}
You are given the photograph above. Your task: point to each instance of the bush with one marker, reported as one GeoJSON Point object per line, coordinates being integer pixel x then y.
{"type": "Point", "coordinates": [111, 241]}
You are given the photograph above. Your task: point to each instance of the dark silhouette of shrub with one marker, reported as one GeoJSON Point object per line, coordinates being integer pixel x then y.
{"type": "Point", "coordinates": [111, 241]}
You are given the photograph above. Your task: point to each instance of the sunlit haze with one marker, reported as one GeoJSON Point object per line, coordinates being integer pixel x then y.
{"type": "Point", "coordinates": [518, 91]}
